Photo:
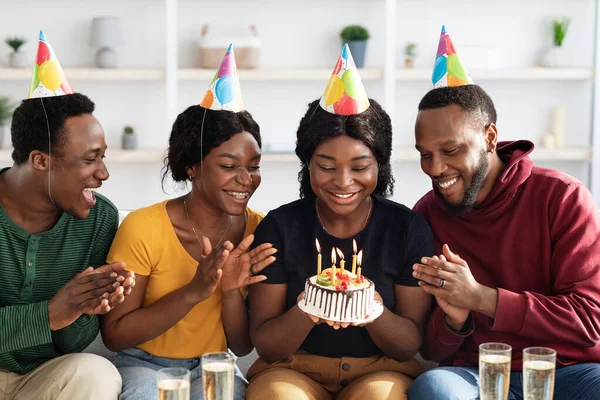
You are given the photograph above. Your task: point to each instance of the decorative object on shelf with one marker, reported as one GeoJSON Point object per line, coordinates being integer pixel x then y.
{"type": "Point", "coordinates": [410, 51]}
{"type": "Point", "coordinates": [448, 70]}
{"type": "Point", "coordinates": [106, 34]}
{"type": "Point", "coordinates": [48, 78]}
{"type": "Point", "coordinates": [129, 138]}
{"type": "Point", "coordinates": [345, 93]}
{"type": "Point", "coordinates": [5, 114]}
{"type": "Point", "coordinates": [356, 37]}
{"type": "Point", "coordinates": [549, 141]}
{"type": "Point", "coordinates": [247, 49]}
{"type": "Point", "coordinates": [224, 92]}
{"type": "Point", "coordinates": [559, 126]}
{"type": "Point", "coordinates": [555, 56]}
{"type": "Point", "coordinates": [18, 59]}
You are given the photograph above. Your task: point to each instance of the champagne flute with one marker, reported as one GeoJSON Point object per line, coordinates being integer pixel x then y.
{"type": "Point", "coordinates": [539, 364]}
{"type": "Point", "coordinates": [173, 384]}
{"type": "Point", "coordinates": [494, 371]}
{"type": "Point", "coordinates": [217, 376]}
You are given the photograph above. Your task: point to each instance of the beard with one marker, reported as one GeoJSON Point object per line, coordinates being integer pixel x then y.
{"type": "Point", "coordinates": [470, 195]}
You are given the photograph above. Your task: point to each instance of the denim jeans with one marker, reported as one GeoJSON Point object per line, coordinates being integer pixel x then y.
{"type": "Point", "coordinates": [581, 382]}
{"type": "Point", "coordinates": [138, 371]}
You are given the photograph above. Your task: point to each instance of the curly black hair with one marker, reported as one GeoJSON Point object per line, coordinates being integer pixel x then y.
{"type": "Point", "coordinates": [373, 127]}
{"type": "Point", "coordinates": [471, 98]}
{"type": "Point", "coordinates": [219, 127]}
{"type": "Point", "coordinates": [29, 128]}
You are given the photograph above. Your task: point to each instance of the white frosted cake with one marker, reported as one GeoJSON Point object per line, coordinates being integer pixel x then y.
{"type": "Point", "coordinates": [349, 298]}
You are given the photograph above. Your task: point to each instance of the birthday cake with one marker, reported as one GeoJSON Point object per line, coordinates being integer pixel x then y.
{"type": "Point", "coordinates": [347, 297]}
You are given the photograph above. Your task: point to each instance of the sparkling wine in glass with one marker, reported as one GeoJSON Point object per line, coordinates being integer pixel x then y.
{"type": "Point", "coordinates": [173, 384]}
{"type": "Point", "coordinates": [539, 364]}
{"type": "Point", "coordinates": [217, 376]}
{"type": "Point", "coordinates": [494, 371]}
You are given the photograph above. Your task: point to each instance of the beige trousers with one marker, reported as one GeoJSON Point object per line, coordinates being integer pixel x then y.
{"type": "Point", "coordinates": [308, 377]}
{"type": "Point", "coordinates": [79, 376]}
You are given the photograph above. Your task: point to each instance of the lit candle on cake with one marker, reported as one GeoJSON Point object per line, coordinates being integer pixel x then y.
{"type": "Point", "coordinates": [333, 265]}
{"type": "Point", "coordinates": [359, 263]}
{"type": "Point", "coordinates": [342, 261]}
{"type": "Point", "coordinates": [354, 256]}
{"type": "Point", "coordinates": [318, 256]}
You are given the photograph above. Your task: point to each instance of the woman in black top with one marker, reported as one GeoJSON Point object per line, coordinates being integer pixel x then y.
{"type": "Point", "coordinates": [345, 174]}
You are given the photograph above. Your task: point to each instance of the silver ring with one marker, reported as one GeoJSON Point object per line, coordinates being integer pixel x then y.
{"type": "Point", "coordinates": [442, 283]}
{"type": "Point", "coordinates": [252, 270]}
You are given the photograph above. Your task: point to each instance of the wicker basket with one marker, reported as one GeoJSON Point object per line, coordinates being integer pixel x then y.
{"type": "Point", "coordinates": [246, 48]}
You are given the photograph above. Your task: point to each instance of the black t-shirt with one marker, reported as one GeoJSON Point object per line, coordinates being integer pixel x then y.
{"type": "Point", "coordinates": [393, 240]}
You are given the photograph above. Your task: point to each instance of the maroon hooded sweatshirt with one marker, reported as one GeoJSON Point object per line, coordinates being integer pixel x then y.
{"type": "Point", "coordinates": [535, 238]}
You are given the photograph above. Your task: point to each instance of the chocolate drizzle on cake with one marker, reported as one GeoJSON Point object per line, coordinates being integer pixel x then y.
{"type": "Point", "coordinates": [354, 304]}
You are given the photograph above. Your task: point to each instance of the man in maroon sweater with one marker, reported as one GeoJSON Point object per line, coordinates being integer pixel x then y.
{"type": "Point", "coordinates": [519, 253]}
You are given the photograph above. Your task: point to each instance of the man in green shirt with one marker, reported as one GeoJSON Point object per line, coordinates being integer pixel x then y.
{"type": "Point", "coordinates": [52, 228]}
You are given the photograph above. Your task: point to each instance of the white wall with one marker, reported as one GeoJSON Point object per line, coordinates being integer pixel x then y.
{"type": "Point", "coordinates": [299, 34]}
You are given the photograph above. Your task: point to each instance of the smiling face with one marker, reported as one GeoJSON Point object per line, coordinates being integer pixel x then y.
{"type": "Point", "coordinates": [231, 174]}
{"type": "Point", "coordinates": [343, 173]}
{"type": "Point", "coordinates": [78, 165]}
{"type": "Point", "coordinates": [454, 147]}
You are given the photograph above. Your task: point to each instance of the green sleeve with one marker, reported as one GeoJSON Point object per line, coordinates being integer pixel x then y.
{"type": "Point", "coordinates": [77, 336]}
{"type": "Point", "coordinates": [23, 326]}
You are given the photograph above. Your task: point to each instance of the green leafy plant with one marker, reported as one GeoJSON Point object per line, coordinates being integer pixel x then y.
{"type": "Point", "coordinates": [410, 50]}
{"type": "Point", "coordinates": [560, 27]}
{"type": "Point", "coordinates": [15, 42]}
{"type": "Point", "coordinates": [128, 130]}
{"type": "Point", "coordinates": [5, 110]}
{"type": "Point", "coordinates": [354, 32]}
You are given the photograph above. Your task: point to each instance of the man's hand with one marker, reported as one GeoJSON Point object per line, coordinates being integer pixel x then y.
{"type": "Point", "coordinates": [241, 267]}
{"type": "Point", "coordinates": [125, 278]}
{"type": "Point", "coordinates": [86, 293]}
{"type": "Point", "coordinates": [459, 294]}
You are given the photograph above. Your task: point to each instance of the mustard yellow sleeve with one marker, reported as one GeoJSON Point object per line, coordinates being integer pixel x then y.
{"type": "Point", "coordinates": [254, 218]}
{"type": "Point", "coordinates": [133, 244]}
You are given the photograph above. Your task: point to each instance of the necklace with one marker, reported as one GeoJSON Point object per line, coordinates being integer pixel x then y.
{"type": "Point", "coordinates": [194, 229]}
{"type": "Point", "coordinates": [364, 224]}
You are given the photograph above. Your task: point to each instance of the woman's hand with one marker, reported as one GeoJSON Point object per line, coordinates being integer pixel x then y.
{"type": "Point", "coordinates": [209, 272]}
{"type": "Point", "coordinates": [241, 266]}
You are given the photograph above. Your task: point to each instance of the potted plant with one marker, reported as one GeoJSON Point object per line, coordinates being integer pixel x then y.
{"type": "Point", "coordinates": [129, 138]}
{"type": "Point", "coordinates": [5, 114]}
{"type": "Point", "coordinates": [555, 56]}
{"type": "Point", "coordinates": [410, 51]}
{"type": "Point", "coordinates": [18, 59]}
{"type": "Point", "coordinates": [356, 36]}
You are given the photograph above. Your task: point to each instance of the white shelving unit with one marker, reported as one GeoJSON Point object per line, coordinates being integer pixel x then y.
{"type": "Point", "coordinates": [307, 74]}
{"type": "Point", "coordinates": [389, 74]}
{"type": "Point", "coordinates": [398, 155]}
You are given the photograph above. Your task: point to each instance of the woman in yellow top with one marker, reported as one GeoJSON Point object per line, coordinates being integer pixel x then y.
{"type": "Point", "coordinates": [187, 299]}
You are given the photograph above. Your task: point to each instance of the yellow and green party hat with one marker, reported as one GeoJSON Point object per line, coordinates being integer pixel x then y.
{"type": "Point", "coordinates": [345, 93]}
{"type": "Point", "coordinates": [48, 78]}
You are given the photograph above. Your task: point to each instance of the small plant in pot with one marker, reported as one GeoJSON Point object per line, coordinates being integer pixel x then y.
{"type": "Point", "coordinates": [356, 36]}
{"type": "Point", "coordinates": [129, 138]}
{"type": "Point", "coordinates": [555, 56]}
{"type": "Point", "coordinates": [410, 51]}
{"type": "Point", "coordinates": [5, 115]}
{"type": "Point", "coordinates": [18, 59]}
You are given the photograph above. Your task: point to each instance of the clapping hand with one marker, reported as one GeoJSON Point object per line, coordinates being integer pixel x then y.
{"type": "Point", "coordinates": [450, 280]}
{"type": "Point", "coordinates": [209, 272]}
{"type": "Point", "coordinates": [241, 267]}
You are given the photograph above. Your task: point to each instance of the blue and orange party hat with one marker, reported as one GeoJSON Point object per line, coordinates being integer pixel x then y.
{"type": "Point", "coordinates": [224, 92]}
{"type": "Point", "coordinates": [448, 70]}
